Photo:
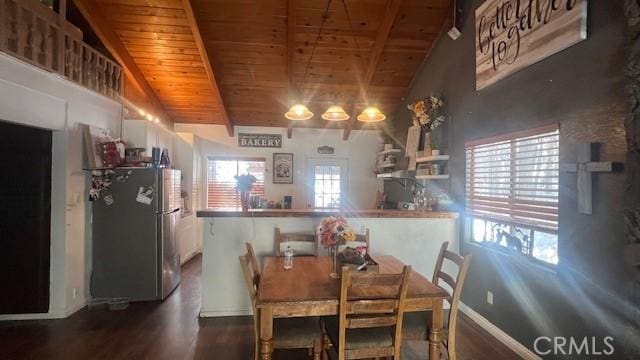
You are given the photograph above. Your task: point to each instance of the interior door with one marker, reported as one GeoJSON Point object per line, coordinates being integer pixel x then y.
{"type": "Point", "coordinates": [25, 219]}
{"type": "Point", "coordinates": [327, 182]}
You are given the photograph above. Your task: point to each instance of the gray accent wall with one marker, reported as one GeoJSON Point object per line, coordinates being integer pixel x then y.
{"type": "Point", "coordinates": [582, 89]}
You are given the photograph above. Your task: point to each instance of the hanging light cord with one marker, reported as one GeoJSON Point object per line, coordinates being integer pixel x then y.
{"type": "Point", "coordinates": [325, 15]}
{"type": "Point", "coordinates": [355, 40]}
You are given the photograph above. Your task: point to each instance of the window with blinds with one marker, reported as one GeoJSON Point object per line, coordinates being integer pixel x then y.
{"type": "Point", "coordinates": [512, 191]}
{"type": "Point", "coordinates": [221, 184]}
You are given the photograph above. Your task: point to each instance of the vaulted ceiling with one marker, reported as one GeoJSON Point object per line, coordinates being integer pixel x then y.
{"type": "Point", "coordinates": [244, 62]}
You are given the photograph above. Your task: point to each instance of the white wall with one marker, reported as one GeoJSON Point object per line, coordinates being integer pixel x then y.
{"type": "Point", "coordinates": [38, 98]}
{"type": "Point", "coordinates": [414, 241]}
{"type": "Point", "coordinates": [360, 150]}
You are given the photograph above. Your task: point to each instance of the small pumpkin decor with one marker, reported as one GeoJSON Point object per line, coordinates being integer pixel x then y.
{"type": "Point", "coordinates": [429, 114]}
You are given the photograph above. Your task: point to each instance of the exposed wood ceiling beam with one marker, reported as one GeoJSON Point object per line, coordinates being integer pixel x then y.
{"type": "Point", "coordinates": [291, 51]}
{"type": "Point", "coordinates": [188, 9]}
{"type": "Point", "coordinates": [393, 6]}
{"type": "Point", "coordinates": [112, 42]}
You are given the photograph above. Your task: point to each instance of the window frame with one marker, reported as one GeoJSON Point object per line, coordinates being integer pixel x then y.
{"type": "Point", "coordinates": [506, 218]}
{"type": "Point", "coordinates": [237, 159]}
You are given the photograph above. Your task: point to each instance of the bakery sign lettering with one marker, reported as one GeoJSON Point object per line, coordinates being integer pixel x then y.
{"type": "Point", "coordinates": [513, 34]}
{"type": "Point", "coordinates": [260, 140]}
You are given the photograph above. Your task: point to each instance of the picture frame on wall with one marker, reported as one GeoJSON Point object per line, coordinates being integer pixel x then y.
{"type": "Point", "coordinates": [283, 168]}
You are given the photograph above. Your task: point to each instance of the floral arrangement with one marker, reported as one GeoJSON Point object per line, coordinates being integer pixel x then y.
{"type": "Point", "coordinates": [428, 113]}
{"type": "Point", "coordinates": [244, 183]}
{"type": "Point", "coordinates": [334, 230]}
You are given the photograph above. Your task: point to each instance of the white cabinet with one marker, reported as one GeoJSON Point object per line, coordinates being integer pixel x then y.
{"type": "Point", "coordinates": [186, 233]}
{"type": "Point", "coordinates": [188, 160]}
{"type": "Point", "coordinates": [144, 134]}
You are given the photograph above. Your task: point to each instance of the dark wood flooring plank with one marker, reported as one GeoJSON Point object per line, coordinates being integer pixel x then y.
{"type": "Point", "coordinates": [172, 330]}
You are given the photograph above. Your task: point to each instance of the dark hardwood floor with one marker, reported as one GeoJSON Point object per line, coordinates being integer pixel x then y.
{"type": "Point", "coordinates": [172, 330]}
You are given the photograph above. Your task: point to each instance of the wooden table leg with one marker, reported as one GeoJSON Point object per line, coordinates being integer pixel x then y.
{"type": "Point", "coordinates": [266, 333]}
{"type": "Point", "coordinates": [435, 334]}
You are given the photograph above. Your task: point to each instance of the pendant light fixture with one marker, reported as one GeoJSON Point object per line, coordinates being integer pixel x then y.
{"type": "Point", "coordinates": [335, 113]}
{"type": "Point", "coordinates": [298, 112]}
{"type": "Point", "coordinates": [371, 114]}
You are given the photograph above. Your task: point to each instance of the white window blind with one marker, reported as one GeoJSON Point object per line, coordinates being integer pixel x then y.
{"type": "Point", "coordinates": [221, 184]}
{"type": "Point", "coordinates": [513, 178]}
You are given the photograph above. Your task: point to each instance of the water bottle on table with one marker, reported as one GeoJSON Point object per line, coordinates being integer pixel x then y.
{"type": "Point", "coordinates": [288, 258]}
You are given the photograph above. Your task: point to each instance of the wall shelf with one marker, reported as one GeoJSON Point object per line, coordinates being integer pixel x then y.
{"type": "Point", "coordinates": [389, 152]}
{"type": "Point", "coordinates": [385, 166]}
{"type": "Point", "coordinates": [425, 159]}
{"type": "Point", "coordinates": [432, 177]}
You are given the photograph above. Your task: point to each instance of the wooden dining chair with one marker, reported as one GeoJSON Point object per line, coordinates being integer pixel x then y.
{"type": "Point", "coordinates": [415, 324]}
{"type": "Point", "coordinates": [301, 243]}
{"type": "Point", "coordinates": [369, 321]}
{"type": "Point", "coordinates": [294, 333]}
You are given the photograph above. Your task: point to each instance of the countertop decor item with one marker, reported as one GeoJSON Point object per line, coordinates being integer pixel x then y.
{"type": "Point", "coordinates": [429, 114]}
{"type": "Point", "coordinates": [244, 185]}
{"type": "Point", "coordinates": [334, 231]}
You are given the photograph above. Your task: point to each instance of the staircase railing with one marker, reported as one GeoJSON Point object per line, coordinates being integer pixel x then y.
{"type": "Point", "coordinates": [33, 33]}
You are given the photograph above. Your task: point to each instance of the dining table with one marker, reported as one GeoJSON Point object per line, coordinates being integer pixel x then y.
{"type": "Point", "coordinates": [307, 289]}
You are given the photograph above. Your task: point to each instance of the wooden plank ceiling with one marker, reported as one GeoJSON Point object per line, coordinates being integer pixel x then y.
{"type": "Point", "coordinates": [254, 58]}
{"type": "Point", "coordinates": [159, 37]}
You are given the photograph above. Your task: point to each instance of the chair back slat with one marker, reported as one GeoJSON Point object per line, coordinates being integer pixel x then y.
{"type": "Point", "coordinates": [251, 272]}
{"type": "Point", "coordinates": [310, 240]}
{"type": "Point", "coordinates": [456, 283]}
{"type": "Point", "coordinates": [454, 257]}
{"type": "Point", "coordinates": [375, 306]}
{"type": "Point", "coordinates": [371, 321]}
{"type": "Point", "coordinates": [370, 301]}
{"type": "Point", "coordinates": [447, 278]}
{"type": "Point", "coordinates": [382, 280]}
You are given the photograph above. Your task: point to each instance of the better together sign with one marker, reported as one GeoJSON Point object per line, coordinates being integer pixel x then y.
{"type": "Point", "coordinates": [513, 34]}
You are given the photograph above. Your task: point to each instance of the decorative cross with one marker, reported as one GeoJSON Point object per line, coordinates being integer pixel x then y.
{"type": "Point", "coordinates": [584, 167]}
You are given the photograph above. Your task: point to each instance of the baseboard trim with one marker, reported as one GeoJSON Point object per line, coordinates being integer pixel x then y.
{"type": "Point", "coordinates": [81, 305]}
{"type": "Point", "coordinates": [500, 335]}
{"type": "Point", "coordinates": [225, 312]}
{"type": "Point", "coordinates": [190, 256]}
{"type": "Point", "coordinates": [51, 315]}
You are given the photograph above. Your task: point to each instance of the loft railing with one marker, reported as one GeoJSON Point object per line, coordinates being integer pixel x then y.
{"type": "Point", "coordinates": [34, 33]}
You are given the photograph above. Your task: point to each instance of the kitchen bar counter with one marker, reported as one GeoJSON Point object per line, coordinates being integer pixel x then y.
{"type": "Point", "coordinates": [413, 237]}
{"type": "Point", "coordinates": [314, 213]}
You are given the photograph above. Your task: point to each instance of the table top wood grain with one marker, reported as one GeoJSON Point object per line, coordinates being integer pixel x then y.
{"type": "Point", "coordinates": [309, 281]}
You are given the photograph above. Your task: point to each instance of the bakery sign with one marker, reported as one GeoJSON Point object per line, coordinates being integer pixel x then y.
{"type": "Point", "coordinates": [260, 140]}
{"type": "Point", "coordinates": [513, 34]}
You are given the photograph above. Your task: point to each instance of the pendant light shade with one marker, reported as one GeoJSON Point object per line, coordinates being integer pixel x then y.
{"type": "Point", "coordinates": [298, 112]}
{"type": "Point", "coordinates": [371, 114]}
{"type": "Point", "coordinates": [335, 113]}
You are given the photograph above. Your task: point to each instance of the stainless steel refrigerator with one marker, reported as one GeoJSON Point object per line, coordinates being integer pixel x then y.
{"type": "Point", "coordinates": [134, 250]}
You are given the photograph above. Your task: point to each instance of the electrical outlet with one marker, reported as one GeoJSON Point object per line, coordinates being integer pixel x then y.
{"type": "Point", "coordinates": [489, 298]}
{"type": "Point", "coordinates": [74, 293]}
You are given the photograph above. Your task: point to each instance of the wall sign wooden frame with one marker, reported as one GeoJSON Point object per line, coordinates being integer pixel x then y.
{"type": "Point", "coordinates": [283, 168]}
{"type": "Point", "coordinates": [260, 140]}
{"type": "Point", "coordinates": [514, 34]}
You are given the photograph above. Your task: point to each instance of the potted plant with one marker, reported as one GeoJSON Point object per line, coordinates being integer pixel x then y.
{"type": "Point", "coordinates": [334, 231]}
{"type": "Point", "coordinates": [429, 114]}
{"type": "Point", "coordinates": [244, 183]}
